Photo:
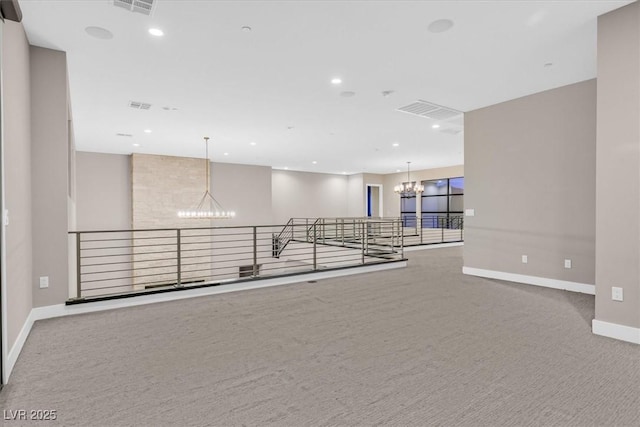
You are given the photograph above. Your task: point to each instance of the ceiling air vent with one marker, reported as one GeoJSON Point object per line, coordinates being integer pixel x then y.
{"type": "Point", "coordinates": [427, 109]}
{"type": "Point", "coordinates": [141, 6]}
{"type": "Point", "coordinates": [139, 105]}
{"type": "Point", "coordinates": [127, 135]}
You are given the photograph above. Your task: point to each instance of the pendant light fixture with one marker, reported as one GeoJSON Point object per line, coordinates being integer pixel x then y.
{"type": "Point", "coordinates": [209, 207]}
{"type": "Point", "coordinates": [408, 187]}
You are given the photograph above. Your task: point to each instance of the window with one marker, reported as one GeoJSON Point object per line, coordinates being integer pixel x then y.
{"type": "Point", "coordinates": [408, 209]}
{"type": "Point", "coordinates": [442, 203]}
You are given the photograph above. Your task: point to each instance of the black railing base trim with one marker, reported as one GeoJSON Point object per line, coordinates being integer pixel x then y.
{"type": "Point", "coordinates": [85, 300]}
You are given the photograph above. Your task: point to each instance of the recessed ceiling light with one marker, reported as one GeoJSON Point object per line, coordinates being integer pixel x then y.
{"type": "Point", "coordinates": [99, 33]}
{"type": "Point", "coordinates": [314, 162]}
{"type": "Point", "coordinates": [156, 32]}
{"type": "Point", "coordinates": [136, 145]}
{"type": "Point", "coordinates": [440, 25]}
{"type": "Point", "coordinates": [436, 126]}
{"type": "Point", "coordinates": [147, 131]}
{"type": "Point", "coordinates": [344, 173]}
{"type": "Point", "coordinates": [336, 80]}
{"type": "Point", "coordinates": [398, 170]}
{"type": "Point", "coordinates": [395, 144]}
{"type": "Point", "coordinates": [225, 154]}
{"type": "Point", "coordinates": [252, 143]}
{"type": "Point", "coordinates": [286, 168]}
{"type": "Point", "coordinates": [246, 29]}
{"type": "Point", "coordinates": [347, 94]}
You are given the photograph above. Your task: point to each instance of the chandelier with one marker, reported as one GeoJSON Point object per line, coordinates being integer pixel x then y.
{"type": "Point", "coordinates": [408, 187]}
{"type": "Point", "coordinates": [209, 207]}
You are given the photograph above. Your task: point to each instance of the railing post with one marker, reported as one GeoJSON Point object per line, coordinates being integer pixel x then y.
{"type": "Point", "coordinates": [255, 251]}
{"type": "Point", "coordinates": [402, 245]}
{"type": "Point", "coordinates": [363, 237]}
{"type": "Point", "coordinates": [342, 230]}
{"type": "Point", "coordinates": [78, 269]}
{"type": "Point", "coordinates": [179, 258]}
{"type": "Point", "coordinates": [460, 224]}
{"type": "Point", "coordinates": [315, 258]}
{"type": "Point", "coordinates": [306, 228]}
{"type": "Point", "coordinates": [442, 236]}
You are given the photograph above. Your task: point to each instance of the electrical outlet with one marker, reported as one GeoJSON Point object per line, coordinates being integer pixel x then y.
{"type": "Point", "coordinates": [567, 263]}
{"type": "Point", "coordinates": [469, 212]}
{"type": "Point", "coordinates": [525, 259]}
{"type": "Point", "coordinates": [616, 294]}
{"type": "Point", "coordinates": [44, 282]}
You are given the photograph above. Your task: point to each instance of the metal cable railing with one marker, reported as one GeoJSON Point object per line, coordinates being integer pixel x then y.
{"type": "Point", "coordinates": [433, 229]}
{"type": "Point", "coordinates": [124, 262]}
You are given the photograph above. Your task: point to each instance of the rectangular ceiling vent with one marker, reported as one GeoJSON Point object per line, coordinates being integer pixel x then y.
{"type": "Point", "coordinates": [139, 105]}
{"type": "Point", "coordinates": [127, 135]}
{"type": "Point", "coordinates": [430, 110]}
{"type": "Point", "coordinates": [140, 6]}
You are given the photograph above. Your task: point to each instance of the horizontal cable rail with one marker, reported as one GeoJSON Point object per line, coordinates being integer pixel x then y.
{"type": "Point", "coordinates": [124, 262]}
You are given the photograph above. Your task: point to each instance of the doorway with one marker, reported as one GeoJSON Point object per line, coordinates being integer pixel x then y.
{"type": "Point", "coordinates": [374, 201]}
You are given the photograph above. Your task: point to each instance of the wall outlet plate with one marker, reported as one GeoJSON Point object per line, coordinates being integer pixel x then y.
{"type": "Point", "coordinates": [469, 212]}
{"type": "Point", "coordinates": [525, 259]}
{"type": "Point", "coordinates": [567, 263]}
{"type": "Point", "coordinates": [617, 294]}
{"type": "Point", "coordinates": [44, 282]}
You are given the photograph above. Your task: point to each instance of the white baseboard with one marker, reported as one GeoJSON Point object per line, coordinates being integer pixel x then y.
{"type": "Point", "coordinates": [59, 310]}
{"type": "Point", "coordinates": [532, 280]}
{"type": "Point", "coordinates": [613, 330]}
{"type": "Point", "coordinates": [432, 246]}
{"type": "Point", "coordinates": [12, 357]}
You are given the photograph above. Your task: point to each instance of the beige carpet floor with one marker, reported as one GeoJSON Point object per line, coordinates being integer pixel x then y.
{"type": "Point", "coordinates": [421, 346]}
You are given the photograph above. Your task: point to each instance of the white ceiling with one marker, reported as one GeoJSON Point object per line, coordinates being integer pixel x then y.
{"type": "Point", "coordinates": [240, 87]}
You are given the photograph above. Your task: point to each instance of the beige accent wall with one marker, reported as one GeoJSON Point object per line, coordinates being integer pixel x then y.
{"type": "Point", "coordinates": [17, 176]}
{"type": "Point", "coordinates": [392, 200]}
{"type": "Point", "coordinates": [618, 166]}
{"type": "Point", "coordinates": [530, 176]}
{"type": "Point", "coordinates": [307, 195]}
{"type": "Point", "coordinates": [49, 166]}
{"type": "Point", "coordinates": [103, 191]}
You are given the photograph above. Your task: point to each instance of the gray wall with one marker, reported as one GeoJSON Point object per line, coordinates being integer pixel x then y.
{"type": "Point", "coordinates": [530, 176]}
{"type": "Point", "coordinates": [246, 189]}
{"type": "Point", "coordinates": [103, 191]}
{"type": "Point", "coordinates": [17, 176]}
{"type": "Point", "coordinates": [355, 195]}
{"type": "Point", "coordinates": [307, 195]}
{"type": "Point", "coordinates": [618, 166]}
{"type": "Point", "coordinates": [49, 166]}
